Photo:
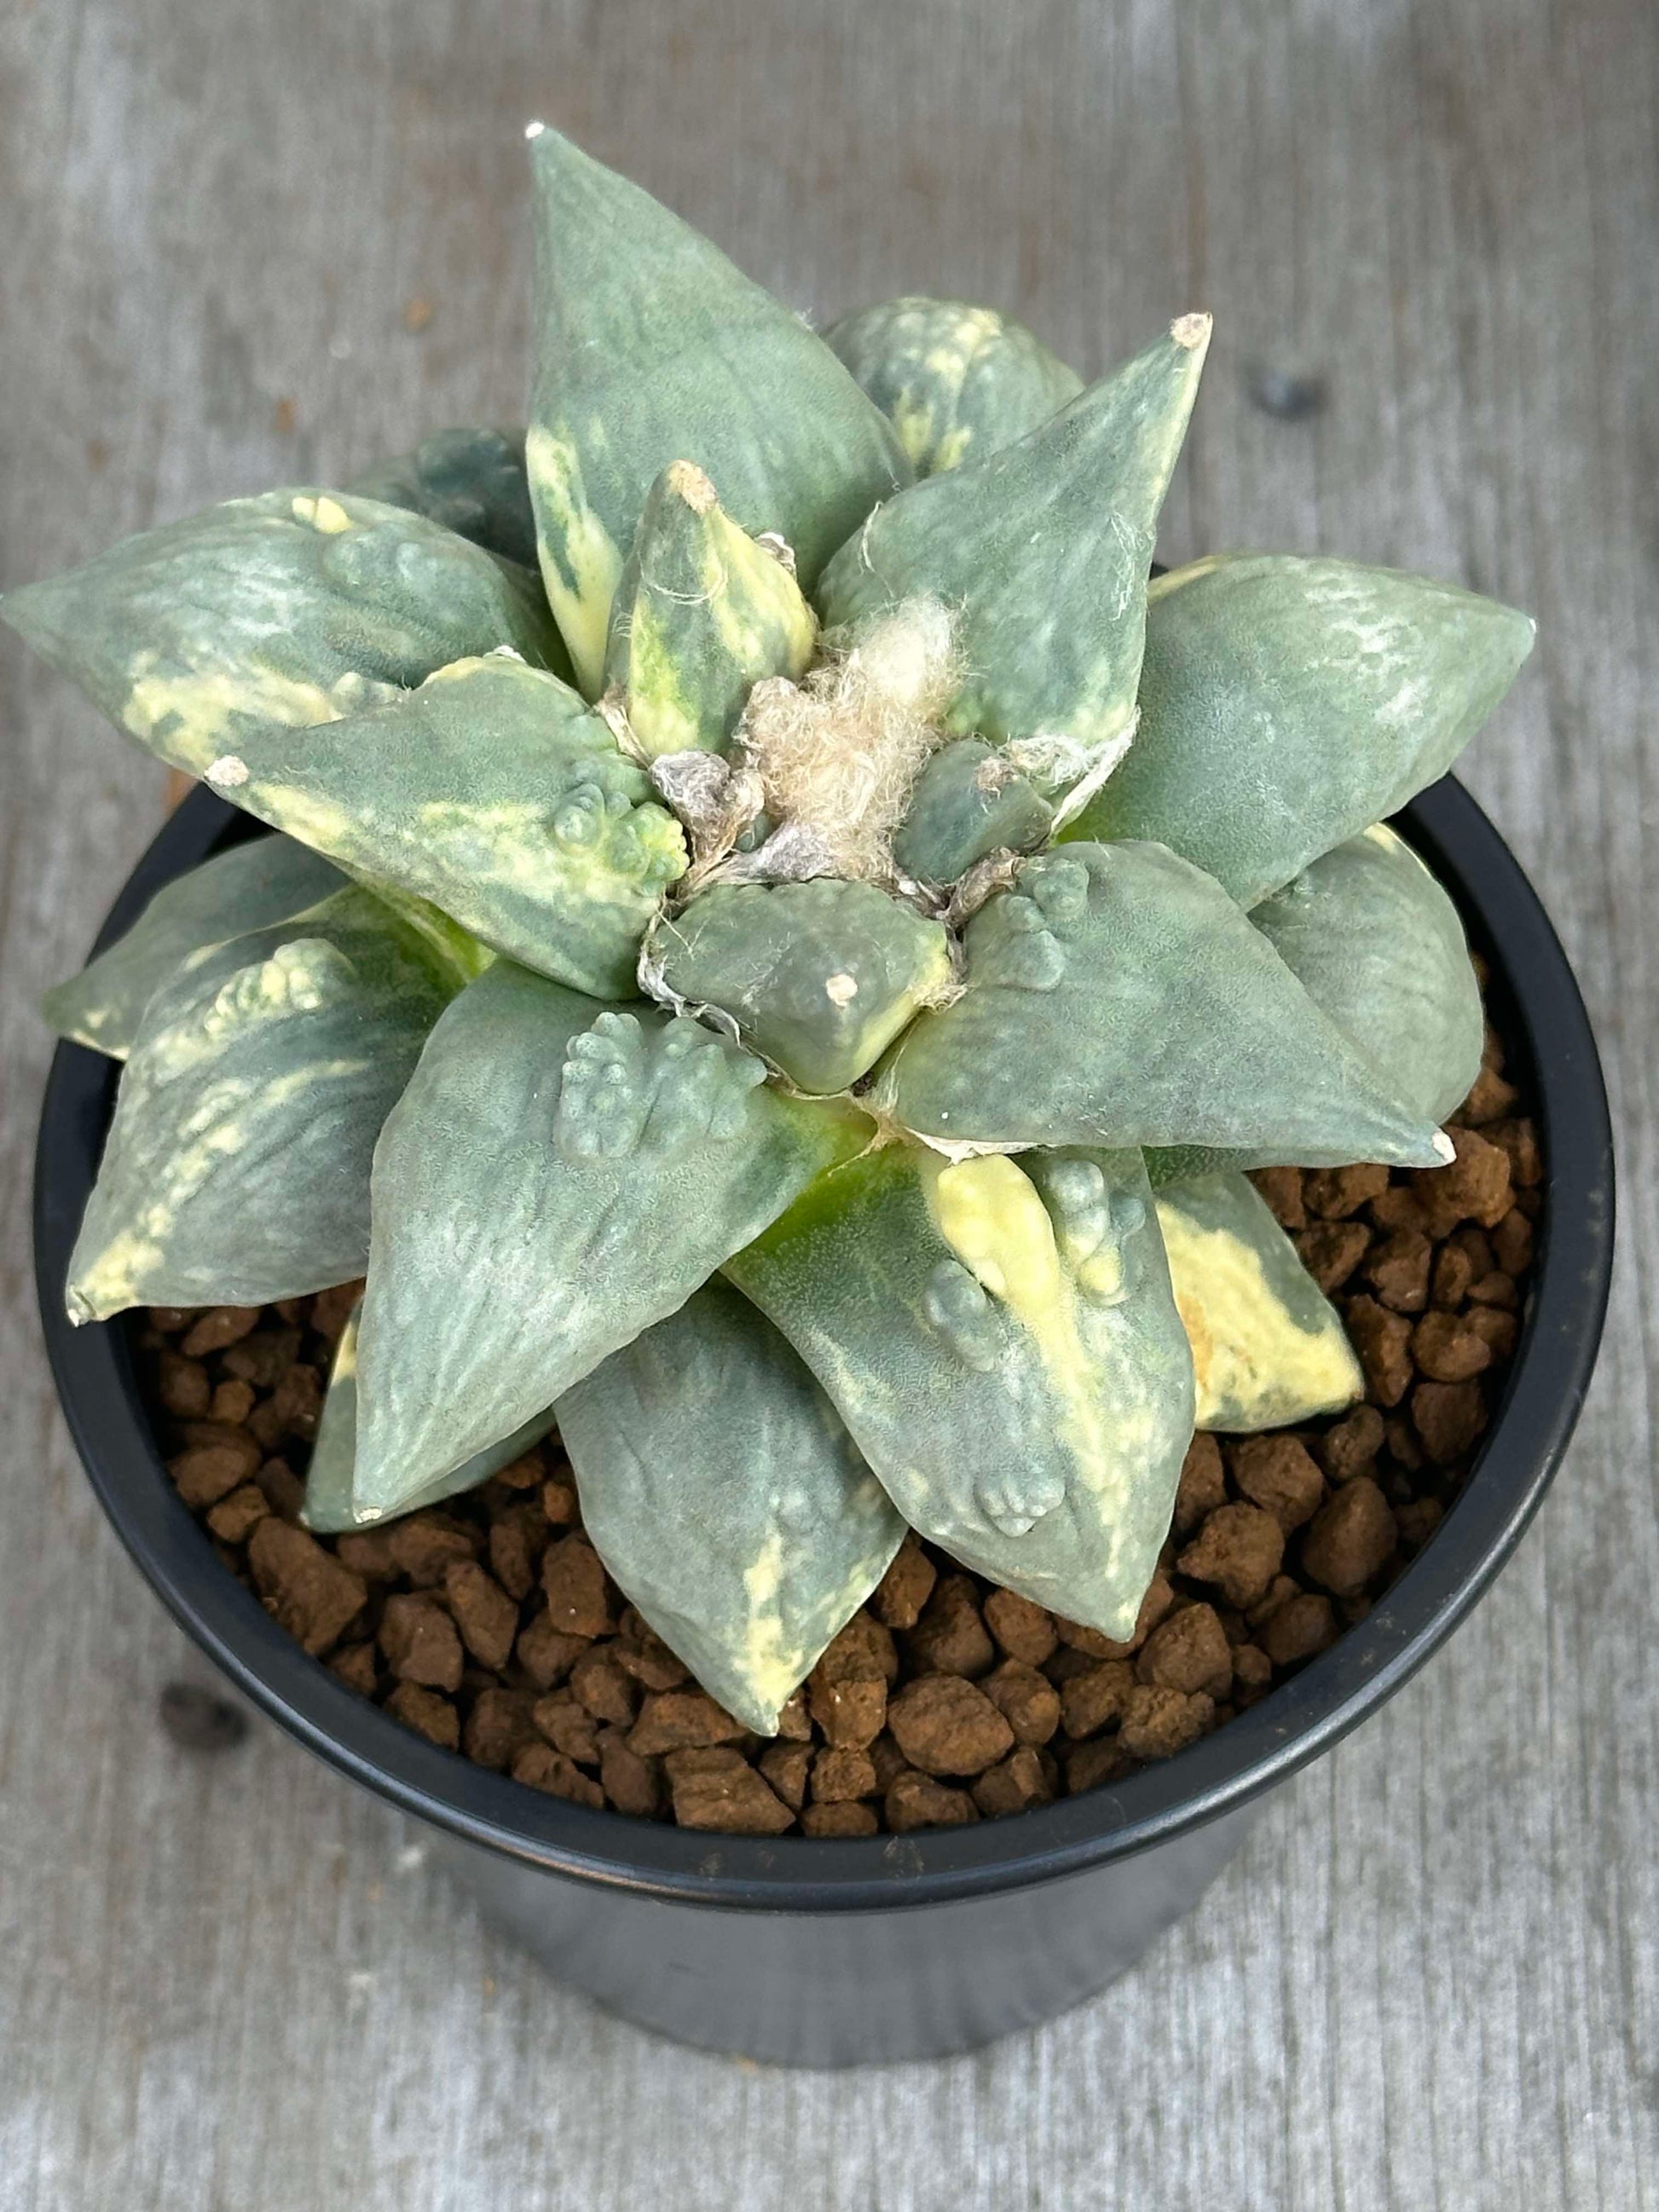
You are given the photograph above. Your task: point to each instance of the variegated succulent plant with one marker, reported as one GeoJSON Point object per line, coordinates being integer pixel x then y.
{"type": "Point", "coordinates": [781, 945]}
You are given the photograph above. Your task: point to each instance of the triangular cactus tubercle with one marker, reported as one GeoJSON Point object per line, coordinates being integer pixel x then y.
{"type": "Point", "coordinates": [702, 613]}
{"type": "Point", "coordinates": [957, 382]}
{"type": "Point", "coordinates": [1041, 551]}
{"type": "Point", "coordinates": [494, 792]}
{"type": "Point", "coordinates": [653, 349]}
{"type": "Point", "coordinates": [818, 977]}
{"type": "Point", "coordinates": [1116, 995]}
{"type": "Point", "coordinates": [723, 1492]}
{"type": "Point", "coordinates": [277, 612]}
{"type": "Point", "coordinates": [1287, 702]}
{"type": "Point", "coordinates": [557, 1177]}
{"type": "Point", "coordinates": [1004, 1347]}
{"type": "Point", "coordinates": [236, 1171]}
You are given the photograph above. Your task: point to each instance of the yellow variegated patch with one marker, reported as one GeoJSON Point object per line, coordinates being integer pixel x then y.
{"type": "Point", "coordinates": [322, 512]}
{"type": "Point", "coordinates": [1267, 1349]}
{"type": "Point", "coordinates": [702, 613]}
{"type": "Point", "coordinates": [771, 1662]}
{"type": "Point", "coordinates": [989, 1214]}
{"type": "Point", "coordinates": [582, 563]}
{"type": "Point", "coordinates": [237, 1166]}
{"type": "Point", "coordinates": [191, 717]}
{"type": "Point", "coordinates": [1004, 1347]}
{"type": "Point", "coordinates": [957, 382]}
{"type": "Point", "coordinates": [264, 881]}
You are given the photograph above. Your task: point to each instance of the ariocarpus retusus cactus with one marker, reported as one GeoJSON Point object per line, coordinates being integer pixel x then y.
{"type": "Point", "coordinates": [781, 944]}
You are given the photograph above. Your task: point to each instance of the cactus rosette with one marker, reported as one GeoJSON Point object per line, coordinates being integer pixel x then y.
{"type": "Point", "coordinates": [781, 945]}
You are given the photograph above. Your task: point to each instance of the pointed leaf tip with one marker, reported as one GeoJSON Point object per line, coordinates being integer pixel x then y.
{"type": "Point", "coordinates": [654, 347]}
{"type": "Point", "coordinates": [1288, 702]}
{"type": "Point", "coordinates": [556, 1178]}
{"type": "Point", "coordinates": [726, 1499]}
{"type": "Point", "coordinates": [688, 483]}
{"type": "Point", "coordinates": [1044, 551]}
{"type": "Point", "coordinates": [329, 1508]}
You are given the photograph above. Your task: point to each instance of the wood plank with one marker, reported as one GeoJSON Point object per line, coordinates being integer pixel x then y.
{"type": "Point", "coordinates": [1432, 1979]}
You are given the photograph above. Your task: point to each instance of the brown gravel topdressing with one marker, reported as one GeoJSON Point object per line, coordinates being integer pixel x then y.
{"type": "Point", "coordinates": [491, 1625]}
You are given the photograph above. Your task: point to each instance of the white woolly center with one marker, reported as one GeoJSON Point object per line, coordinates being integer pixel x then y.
{"type": "Point", "coordinates": [838, 753]}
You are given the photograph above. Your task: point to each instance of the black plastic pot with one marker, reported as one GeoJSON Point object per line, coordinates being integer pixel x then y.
{"type": "Point", "coordinates": [835, 1953]}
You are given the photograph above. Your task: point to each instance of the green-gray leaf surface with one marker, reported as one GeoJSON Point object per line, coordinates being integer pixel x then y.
{"type": "Point", "coordinates": [556, 1178]}
{"type": "Point", "coordinates": [281, 611]}
{"type": "Point", "coordinates": [651, 348]}
{"type": "Point", "coordinates": [266, 880]}
{"type": "Point", "coordinates": [820, 977]}
{"type": "Point", "coordinates": [494, 793]}
{"type": "Point", "coordinates": [1117, 996]}
{"type": "Point", "coordinates": [1287, 703]}
{"type": "Point", "coordinates": [957, 382]}
{"type": "Point", "coordinates": [1041, 552]}
{"type": "Point", "coordinates": [1378, 945]}
{"type": "Point", "coordinates": [237, 1166]}
{"type": "Point", "coordinates": [723, 1492]}
{"type": "Point", "coordinates": [472, 480]}
{"type": "Point", "coordinates": [970, 800]}
{"type": "Point", "coordinates": [329, 1508]}
{"type": "Point", "coordinates": [1004, 1347]}
{"type": "Point", "coordinates": [1268, 1348]}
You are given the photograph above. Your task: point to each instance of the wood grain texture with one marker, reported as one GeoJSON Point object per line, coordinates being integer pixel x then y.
{"type": "Point", "coordinates": [1432, 1980]}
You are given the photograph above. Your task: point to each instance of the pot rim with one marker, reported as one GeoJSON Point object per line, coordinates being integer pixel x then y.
{"type": "Point", "coordinates": [1546, 1026]}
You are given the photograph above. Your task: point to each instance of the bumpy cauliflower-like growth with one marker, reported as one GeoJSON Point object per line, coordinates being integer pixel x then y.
{"type": "Point", "coordinates": [786, 987]}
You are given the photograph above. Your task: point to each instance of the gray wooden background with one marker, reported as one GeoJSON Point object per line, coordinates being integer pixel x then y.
{"type": "Point", "coordinates": [1432, 1980]}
